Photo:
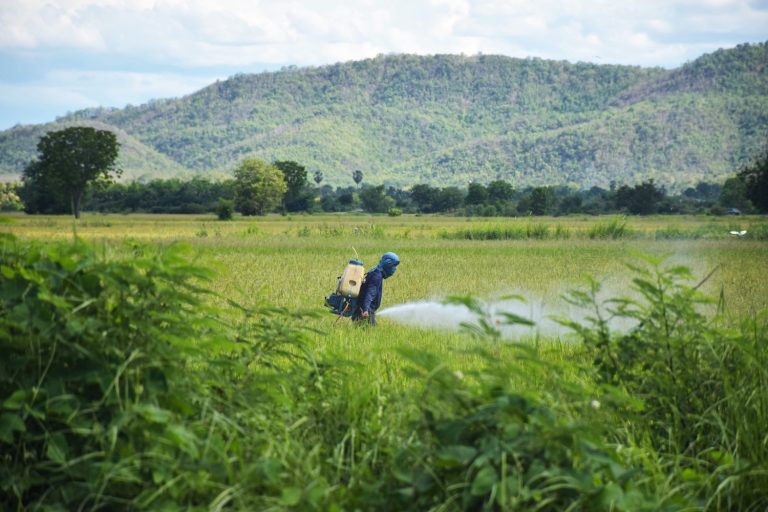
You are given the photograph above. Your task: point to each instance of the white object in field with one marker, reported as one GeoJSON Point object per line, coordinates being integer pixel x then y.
{"type": "Point", "coordinates": [351, 279]}
{"type": "Point", "coordinates": [739, 233]}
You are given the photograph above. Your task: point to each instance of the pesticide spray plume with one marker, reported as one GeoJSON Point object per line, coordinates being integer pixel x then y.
{"type": "Point", "coordinates": [451, 314]}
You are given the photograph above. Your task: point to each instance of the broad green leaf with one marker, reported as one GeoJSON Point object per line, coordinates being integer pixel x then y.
{"type": "Point", "coordinates": [153, 413]}
{"type": "Point", "coordinates": [611, 496]}
{"type": "Point", "coordinates": [291, 496]}
{"type": "Point", "coordinates": [455, 455]}
{"type": "Point", "coordinates": [271, 469]}
{"type": "Point", "coordinates": [10, 423]}
{"type": "Point", "coordinates": [185, 440]}
{"type": "Point", "coordinates": [691, 475]}
{"type": "Point", "coordinates": [484, 481]}
{"type": "Point", "coordinates": [57, 448]}
{"type": "Point", "coordinates": [16, 400]}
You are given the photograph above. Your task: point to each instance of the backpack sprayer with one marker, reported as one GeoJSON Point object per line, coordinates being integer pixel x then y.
{"type": "Point", "coordinates": [343, 301]}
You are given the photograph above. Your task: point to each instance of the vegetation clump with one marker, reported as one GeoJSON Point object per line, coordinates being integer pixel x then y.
{"type": "Point", "coordinates": [123, 387]}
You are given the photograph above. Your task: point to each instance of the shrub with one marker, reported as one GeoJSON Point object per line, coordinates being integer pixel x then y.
{"type": "Point", "coordinates": [225, 209]}
{"type": "Point", "coordinates": [111, 381]}
{"type": "Point", "coordinates": [485, 445]}
{"type": "Point", "coordinates": [698, 381]}
{"type": "Point", "coordinates": [394, 212]}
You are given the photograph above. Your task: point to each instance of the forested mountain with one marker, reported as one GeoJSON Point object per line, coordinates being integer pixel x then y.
{"type": "Point", "coordinates": [448, 119]}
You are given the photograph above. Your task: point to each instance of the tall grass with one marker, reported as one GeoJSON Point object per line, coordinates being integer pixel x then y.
{"type": "Point", "coordinates": [538, 231]}
{"type": "Point", "coordinates": [614, 229]}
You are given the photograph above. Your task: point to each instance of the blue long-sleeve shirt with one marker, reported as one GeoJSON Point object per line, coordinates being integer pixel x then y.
{"type": "Point", "coordinates": [371, 291]}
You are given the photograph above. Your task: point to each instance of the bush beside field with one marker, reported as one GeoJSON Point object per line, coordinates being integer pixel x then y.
{"type": "Point", "coordinates": [123, 387]}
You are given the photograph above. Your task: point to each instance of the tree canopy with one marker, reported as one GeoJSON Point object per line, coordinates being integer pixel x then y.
{"type": "Point", "coordinates": [69, 161]}
{"type": "Point", "coordinates": [755, 179]}
{"type": "Point", "coordinates": [259, 187]}
{"type": "Point", "coordinates": [452, 119]}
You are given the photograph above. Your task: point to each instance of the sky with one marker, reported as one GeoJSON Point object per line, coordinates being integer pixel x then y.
{"type": "Point", "coordinates": [60, 56]}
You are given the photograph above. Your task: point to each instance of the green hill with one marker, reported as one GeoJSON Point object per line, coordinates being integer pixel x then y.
{"type": "Point", "coordinates": [448, 119]}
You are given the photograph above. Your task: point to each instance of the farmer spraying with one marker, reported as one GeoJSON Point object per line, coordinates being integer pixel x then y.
{"type": "Point", "coordinates": [369, 298]}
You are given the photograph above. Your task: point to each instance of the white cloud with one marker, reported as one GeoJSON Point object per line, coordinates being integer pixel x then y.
{"type": "Point", "coordinates": [230, 32]}
{"type": "Point", "coordinates": [247, 34]}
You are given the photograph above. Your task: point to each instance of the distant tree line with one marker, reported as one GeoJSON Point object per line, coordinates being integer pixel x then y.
{"type": "Point", "coordinates": [75, 171]}
{"type": "Point", "coordinates": [497, 198]}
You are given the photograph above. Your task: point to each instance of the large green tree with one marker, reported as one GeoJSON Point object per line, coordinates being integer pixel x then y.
{"type": "Point", "coordinates": [476, 194]}
{"type": "Point", "coordinates": [374, 199]}
{"type": "Point", "coordinates": [259, 187]}
{"type": "Point", "coordinates": [500, 191]}
{"type": "Point", "coordinates": [755, 179]}
{"type": "Point", "coordinates": [642, 199]}
{"type": "Point", "coordinates": [70, 160]}
{"type": "Point", "coordinates": [298, 197]}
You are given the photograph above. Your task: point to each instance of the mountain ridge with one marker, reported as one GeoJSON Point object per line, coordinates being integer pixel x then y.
{"type": "Point", "coordinates": [449, 119]}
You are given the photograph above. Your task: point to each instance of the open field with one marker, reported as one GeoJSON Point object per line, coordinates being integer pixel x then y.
{"type": "Point", "coordinates": [166, 399]}
{"type": "Point", "coordinates": [293, 261]}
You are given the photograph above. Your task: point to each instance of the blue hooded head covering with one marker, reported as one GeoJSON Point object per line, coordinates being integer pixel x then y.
{"type": "Point", "coordinates": [388, 264]}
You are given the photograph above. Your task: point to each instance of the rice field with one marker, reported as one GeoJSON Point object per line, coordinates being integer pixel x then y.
{"type": "Point", "coordinates": [346, 417]}
{"type": "Point", "coordinates": [293, 262]}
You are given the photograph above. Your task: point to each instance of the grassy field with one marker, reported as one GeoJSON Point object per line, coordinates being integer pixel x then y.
{"type": "Point", "coordinates": [429, 418]}
{"type": "Point", "coordinates": [293, 261]}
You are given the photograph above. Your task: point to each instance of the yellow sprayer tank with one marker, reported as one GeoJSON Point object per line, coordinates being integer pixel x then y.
{"type": "Point", "coordinates": [351, 279]}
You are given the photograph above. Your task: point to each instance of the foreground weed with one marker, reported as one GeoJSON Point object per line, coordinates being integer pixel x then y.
{"type": "Point", "coordinates": [698, 383]}
{"type": "Point", "coordinates": [111, 380]}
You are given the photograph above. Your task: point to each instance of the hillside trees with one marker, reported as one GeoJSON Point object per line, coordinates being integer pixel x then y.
{"type": "Point", "coordinates": [464, 118]}
{"type": "Point", "coordinates": [259, 187]}
{"type": "Point", "coordinates": [69, 161]}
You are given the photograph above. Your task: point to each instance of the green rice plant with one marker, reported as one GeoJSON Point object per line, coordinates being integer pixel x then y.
{"type": "Point", "coordinates": [615, 229]}
{"type": "Point", "coordinates": [537, 231]}
{"type": "Point", "coordinates": [757, 231]}
{"type": "Point", "coordinates": [331, 231]}
{"type": "Point", "coordinates": [509, 232]}
{"type": "Point", "coordinates": [374, 231]}
{"type": "Point", "coordinates": [251, 230]}
{"type": "Point", "coordinates": [678, 233]}
{"type": "Point", "coordinates": [562, 232]}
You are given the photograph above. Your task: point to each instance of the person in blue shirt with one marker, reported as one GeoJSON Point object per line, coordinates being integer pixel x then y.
{"type": "Point", "coordinates": [369, 299]}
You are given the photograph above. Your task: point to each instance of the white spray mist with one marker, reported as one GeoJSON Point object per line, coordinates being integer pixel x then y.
{"type": "Point", "coordinates": [436, 314]}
